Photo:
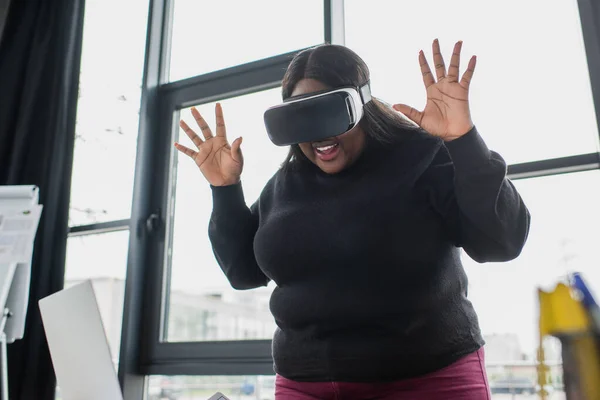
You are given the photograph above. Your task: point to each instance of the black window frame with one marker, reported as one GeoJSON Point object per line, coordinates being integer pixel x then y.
{"type": "Point", "coordinates": [142, 352]}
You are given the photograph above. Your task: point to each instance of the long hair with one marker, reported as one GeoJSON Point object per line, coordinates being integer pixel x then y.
{"type": "Point", "coordinates": [336, 66]}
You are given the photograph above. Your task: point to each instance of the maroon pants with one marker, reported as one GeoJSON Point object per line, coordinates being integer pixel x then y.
{"type": "Point", "coordinates": [464, 380]}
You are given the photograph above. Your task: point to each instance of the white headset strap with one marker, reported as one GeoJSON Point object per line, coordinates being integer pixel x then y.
{"type": "Point", "coordinates": [365, 92]}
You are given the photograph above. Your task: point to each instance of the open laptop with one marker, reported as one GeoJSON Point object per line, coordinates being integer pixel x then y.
{"type": "Point", "coordinates": [78, 346]}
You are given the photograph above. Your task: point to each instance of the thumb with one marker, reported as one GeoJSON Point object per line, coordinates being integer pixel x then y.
{"type": "Point", "coordinates": [412, 114]}
{"type": "Point", "coordinates": [236, 151]}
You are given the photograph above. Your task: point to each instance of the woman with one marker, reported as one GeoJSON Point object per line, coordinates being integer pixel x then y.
{"type": "Point", "coordinates": [361, 234]}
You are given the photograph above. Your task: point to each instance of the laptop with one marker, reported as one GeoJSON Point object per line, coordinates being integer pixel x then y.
{"type": "Point", "coordinates": [78, 346]}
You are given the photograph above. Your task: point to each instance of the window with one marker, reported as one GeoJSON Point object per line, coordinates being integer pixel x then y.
{"type": "Point", "coordinates": [108, 111]}
{"type": "Point", "coordinates": [104, 156]}
{"type": "Point", "coordinates": [101, 258]}
{"type": "Point", "coordinates": [531, 100]}
{"type": "Point", "coordinates": [212, 35]}
{"type": "Point", "coordinates": [202, 304]}
{"type": "Point", "coordinates": [519, 104]}
{"type": "Point", "coordinates": [516, 111]}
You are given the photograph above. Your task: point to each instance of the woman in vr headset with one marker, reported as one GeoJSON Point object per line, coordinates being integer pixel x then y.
{"type": "Point", "coordinates": [361, 231]}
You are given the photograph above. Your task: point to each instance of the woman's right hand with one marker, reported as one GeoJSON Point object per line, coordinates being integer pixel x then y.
{"type": "Point", "coordinates": [220, 163]}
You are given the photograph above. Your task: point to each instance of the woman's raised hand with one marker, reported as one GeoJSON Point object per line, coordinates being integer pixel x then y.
{"type": "Point", "coordinates": [446, 114]}
{"type": "Point", "coordinates": [220, 163]}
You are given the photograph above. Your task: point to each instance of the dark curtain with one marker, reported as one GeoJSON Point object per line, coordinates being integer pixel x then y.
{"type": "Point", "coordinates": [3, 13]}
{"type": "Point", "coordinates": [40, 53]}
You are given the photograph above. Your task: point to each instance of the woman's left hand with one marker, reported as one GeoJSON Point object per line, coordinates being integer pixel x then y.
{"type": "Point", "coordinates": [446, 113]}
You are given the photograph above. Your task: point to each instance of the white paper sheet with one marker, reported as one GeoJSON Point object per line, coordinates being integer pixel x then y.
{"type": "Point", "coordinates": [18, 226]}
{"type": "Point", "coordinates": [18, 196]}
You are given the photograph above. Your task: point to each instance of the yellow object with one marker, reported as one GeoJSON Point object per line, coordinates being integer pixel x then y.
{"type": "Point", "coordinates": [560, 313]}
{"type": "Point", "coordinates": [563, 316]}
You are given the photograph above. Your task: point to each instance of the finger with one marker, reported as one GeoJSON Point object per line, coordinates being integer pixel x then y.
{"type": "Point", "coordinates": [455, 62]}
{"type": "Point", "coordinates": [191, 134]}
{"type": "Point", "coordinates": [412, 114]}
{"type": "Point", "coordinates": [468, 75]}
{"type": "Point", "coordinates": [236, 151]}
{"type": "Point", "coordinates": [425, 70]}
{"type": "Point", "coordinates": [206, 132]}
{"type": "Point", "coordinates": [221, 131]}
{"type": "Point", "coordinates": [438, 61]}
{"type": "Point", "coordinates": [186, 150]}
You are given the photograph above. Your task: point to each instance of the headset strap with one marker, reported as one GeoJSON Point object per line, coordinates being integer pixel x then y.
{"type": "Point", "coordinates": [365, 92]}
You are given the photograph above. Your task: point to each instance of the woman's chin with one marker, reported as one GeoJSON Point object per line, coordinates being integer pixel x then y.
{"type": "Point", "coordinates": [331, 167]}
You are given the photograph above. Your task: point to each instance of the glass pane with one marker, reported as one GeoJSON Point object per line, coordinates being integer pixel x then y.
{"type": "Point", "coordinates": [203, 306]}
{"type": "Point", "coordinates": [202, 387]}
{"type": "Point", "coordinates": [108, 110]}
{"type": "Point", "coordinates": [563, 238]}
{"type": "Point", "coordinates": [212, 35]}
{"type": "Point", "coordinates": [530, 97]}
{"type": "Point", "coordinates": [102, 259]}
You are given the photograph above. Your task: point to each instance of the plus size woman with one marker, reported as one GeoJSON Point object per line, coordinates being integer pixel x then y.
{"type": "Point", "coordinates": [362, 235]}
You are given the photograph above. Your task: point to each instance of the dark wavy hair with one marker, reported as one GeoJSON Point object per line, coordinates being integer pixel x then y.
{"type": "Point", "coordinates": [337, 66]}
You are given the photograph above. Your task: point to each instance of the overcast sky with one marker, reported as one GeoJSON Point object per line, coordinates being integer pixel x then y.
{"type": "Point", "coordinates": [530, 100]}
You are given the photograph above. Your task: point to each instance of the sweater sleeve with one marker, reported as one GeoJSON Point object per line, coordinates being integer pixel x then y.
{"type": "Point", "coordinates": [232, 228]}
{"type": "Point", "coordinates": [483, 209]}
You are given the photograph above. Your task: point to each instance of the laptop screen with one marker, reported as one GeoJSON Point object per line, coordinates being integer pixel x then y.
{"type": "Point", "coordinates": [78, 345]}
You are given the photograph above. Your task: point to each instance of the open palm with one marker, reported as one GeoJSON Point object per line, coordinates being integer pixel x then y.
{"type": "Point", "coordinates": [446, 114]}
{"type": "Point", "coordinates": [220, 163]}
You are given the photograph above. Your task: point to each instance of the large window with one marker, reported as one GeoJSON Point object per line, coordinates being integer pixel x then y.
{"type": "Point", "coordinates": [186, 329]}
{"type": "Point", "coordinates": [108, 111]}
{"type": "Point", "coordinates": [521, 99]}
{"type": "Point", "coordinates": [202, 304]}
{"type": "Point", "coordinates": [515, 109]}
{"type": "Point", "coordinates": [193, 322]}
{"type": "Point", "coordinates": [105, 150]}
{"type": "Point", "coordinates": [514, 99]}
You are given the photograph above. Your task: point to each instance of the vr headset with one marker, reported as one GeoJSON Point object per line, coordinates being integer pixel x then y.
{"type": "Point", "coordinates": [316, 116]}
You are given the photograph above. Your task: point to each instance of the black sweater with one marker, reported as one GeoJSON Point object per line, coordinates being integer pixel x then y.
{"type": "Point", "coordinates": [370, 285]}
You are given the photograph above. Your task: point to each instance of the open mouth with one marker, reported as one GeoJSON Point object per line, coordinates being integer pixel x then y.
{"type": "Point", "coordinates": [326, 151]}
